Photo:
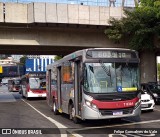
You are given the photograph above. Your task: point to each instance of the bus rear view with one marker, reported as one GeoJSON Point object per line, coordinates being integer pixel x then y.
{"type": "Point", "coordinates": [14, 84]}
{"type": "Point", "coordinates": [104, 85]}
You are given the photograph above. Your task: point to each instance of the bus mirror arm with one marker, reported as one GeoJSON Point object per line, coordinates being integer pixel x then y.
{"type": "Point", "coordinates": [81, 81]}
{"type": "Point", "coordinates": [82, 77]}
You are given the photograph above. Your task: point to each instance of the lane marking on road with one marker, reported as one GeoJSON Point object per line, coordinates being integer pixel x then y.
{"type": "Point", "coordinates": [120, 125]}
{"type": "Point", "coordinates": [59, 125]}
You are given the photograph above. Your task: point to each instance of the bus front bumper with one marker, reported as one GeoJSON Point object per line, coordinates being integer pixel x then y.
{"type": "Point", "coordinates": [89, 113]}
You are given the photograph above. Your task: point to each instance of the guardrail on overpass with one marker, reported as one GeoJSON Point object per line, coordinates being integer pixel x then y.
{"type": "Point", "coordinates": [57, 13]}
{"type": "Point", "coordinates": [117, 3]}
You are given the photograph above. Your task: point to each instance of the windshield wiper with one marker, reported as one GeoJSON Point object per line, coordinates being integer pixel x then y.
{"type": "Point", "coordinates": [106, 70]}
{"type": "Point", "coordinates": [36, 80]}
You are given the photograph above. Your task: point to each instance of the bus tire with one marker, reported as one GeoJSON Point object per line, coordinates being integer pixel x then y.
{"type": "Point", "coordinates": [54, 108]}
{"type": "Point", "coordinates": [72, 114]}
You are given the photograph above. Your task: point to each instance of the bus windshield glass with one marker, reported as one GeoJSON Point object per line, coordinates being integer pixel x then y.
{"type": "Point", "coordinates": [17, 82]}
{"type": "Point", "coordinates": [111, 77]}
{"type": "Point", "coordinates": [34, 83]}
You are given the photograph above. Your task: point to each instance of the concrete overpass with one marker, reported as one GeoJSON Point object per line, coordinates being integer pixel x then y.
{"type": "Point", "coordinates": [58, 29]}
{"type": "Point", "coordinates": [55, 26]}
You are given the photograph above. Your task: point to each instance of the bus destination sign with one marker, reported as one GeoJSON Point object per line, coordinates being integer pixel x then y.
{"type": "Point", "coordinates": [37, 75]}
{"type": "Point", "coordinates": [109, 54]}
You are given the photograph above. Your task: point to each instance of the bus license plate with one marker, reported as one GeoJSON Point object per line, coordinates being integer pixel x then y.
{"type": "Point", "coordinates": [39, 95]}
{"type": "Point", "coordinates": [117, 113]}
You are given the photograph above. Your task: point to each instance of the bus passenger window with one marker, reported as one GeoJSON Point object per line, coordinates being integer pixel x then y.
{"type": "Point", "coordinates": [67, 73]}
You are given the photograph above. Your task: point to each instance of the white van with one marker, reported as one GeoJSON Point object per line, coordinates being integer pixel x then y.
{"type": "Point", "coordinates": [5, 81]}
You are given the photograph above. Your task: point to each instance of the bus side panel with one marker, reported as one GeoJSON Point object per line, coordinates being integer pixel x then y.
{"type": "Point", "coordinates": [64, 80]}
{"type": "Point", "coordinates": [48, 87]}
{"type": "Point", "coordinates": [59, 88]}
{"type": "Point", "coordinates": [63, 97]}
{"type": "Point", "coordinates": [67, 86]}
{"type": "Point", "coordinates": [67, 96]}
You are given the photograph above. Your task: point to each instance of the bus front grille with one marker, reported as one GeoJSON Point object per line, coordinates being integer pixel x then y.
{"type": "Point", "coordinates": [113, 111]}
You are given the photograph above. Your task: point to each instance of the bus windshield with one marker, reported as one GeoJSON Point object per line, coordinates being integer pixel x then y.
{"type": "Point", "coordinates": [111, 77]}
{"type": "Point", "coordinates": [34, 83]}
{"type": "Point", "coordinates": [17, 82]}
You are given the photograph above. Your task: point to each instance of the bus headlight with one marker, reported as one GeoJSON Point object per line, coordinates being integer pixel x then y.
{"type": "Point", "coordinates": [91, 105]}
{"type": "Point", "coordinates": [88, 103]}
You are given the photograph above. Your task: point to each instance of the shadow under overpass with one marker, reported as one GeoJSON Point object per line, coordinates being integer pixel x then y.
{"type": "Point", "coordinates": [38, 50]}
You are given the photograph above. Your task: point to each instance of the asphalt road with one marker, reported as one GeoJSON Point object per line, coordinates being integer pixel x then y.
{"type": "Point", "coordinates": [35, 116]}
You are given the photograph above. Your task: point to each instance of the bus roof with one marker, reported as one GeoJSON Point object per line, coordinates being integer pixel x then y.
{"type": "Point", "coordinates": [78, 53]}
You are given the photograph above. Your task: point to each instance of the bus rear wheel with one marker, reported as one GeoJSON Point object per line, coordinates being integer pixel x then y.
{"type": "Point", "coordinates": [54, 108]}
{"type": "Point", "coordinates": [72, 114]}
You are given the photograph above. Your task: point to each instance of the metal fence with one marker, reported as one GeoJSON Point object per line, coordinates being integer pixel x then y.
{"type": "Point", "coordinates": [114, 3]}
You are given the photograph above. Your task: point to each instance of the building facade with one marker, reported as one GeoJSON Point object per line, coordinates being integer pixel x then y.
{"type": "Point", "coordinates": [37, 65]}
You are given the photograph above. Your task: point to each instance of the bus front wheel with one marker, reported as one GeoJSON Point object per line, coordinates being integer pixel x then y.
{"type": "Point", "coordinates": [72, 114]}
{"type": "Point", "coordinates": [54, 108]}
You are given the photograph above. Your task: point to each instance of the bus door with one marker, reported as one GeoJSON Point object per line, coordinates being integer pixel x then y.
{"type": "Point", "coordinates": [77, 90]}
{"type": "Point", "coordinates": [59, 89]}
{"type": "Point", "coordinates": [48, 82]}
{"type": "Point", "coordinates": [24, 85]}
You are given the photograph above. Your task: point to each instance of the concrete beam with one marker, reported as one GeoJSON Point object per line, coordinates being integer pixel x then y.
{"type": "Point", "coordinates": [116, 12]}
{"type": "Point", "coordinates": [73, 17]}
{"type": "Point", "coordinates": [83, 14]}
{"type": "Point", "coordinates": [30, 11]}
{"type": "Point", "coordinates": [75, 37]}
{"type": "Point", "coordinates": [51, 13]}
{"type": "Point", "coordinates": [104, 15]}
{"type": "Point", "coordinates": [148, 66]}
{"type": "Point", "coordinates": [58, 13]}
{"type": "Point", "coordinates": [15, 13]}
{"type": "Point", "coordinates": [39, 12]}
{"type": "Point", "coordinates": [94, 15]}
{"type": "Point", "coordinates": [62, 13]}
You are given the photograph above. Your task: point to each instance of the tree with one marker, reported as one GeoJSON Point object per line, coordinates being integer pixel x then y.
{"type": "Point", "coordinates": [158, 70]}
{"type": "Point", "coordinates": [23, 59]}
{"type": "Point", "coordinates": [57, 58]}
{"type": "Point", "coordinates": [142, 26]}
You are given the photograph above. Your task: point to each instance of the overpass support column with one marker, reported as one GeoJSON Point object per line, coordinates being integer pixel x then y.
{"type": "Point", "coordinates": [148, 66]}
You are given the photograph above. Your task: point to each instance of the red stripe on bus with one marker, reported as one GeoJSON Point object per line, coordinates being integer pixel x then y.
{"type": "Point", "coordinates": [38, 91]}
{"type": "Point", "coordinates": [116, 104]}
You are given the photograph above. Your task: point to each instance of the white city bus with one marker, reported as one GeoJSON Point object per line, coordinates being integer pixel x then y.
{"type": "Point", "coordinates": [95, 83]}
